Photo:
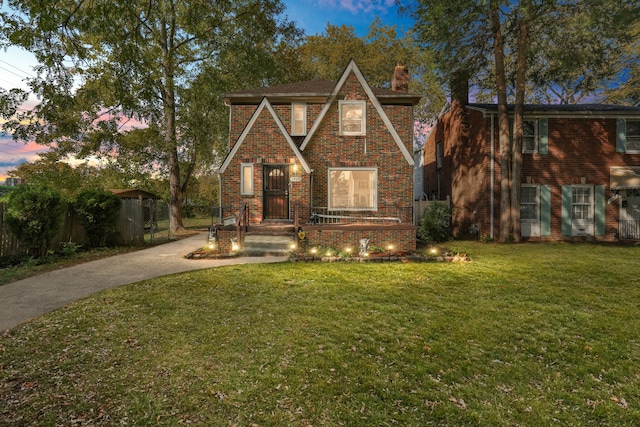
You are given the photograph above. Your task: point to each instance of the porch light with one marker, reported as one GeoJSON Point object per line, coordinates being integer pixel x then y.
{"type": "Point", "coordinates": [235, 246]}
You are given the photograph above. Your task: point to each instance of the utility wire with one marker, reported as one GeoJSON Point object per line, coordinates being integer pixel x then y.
{"type": "Point", "coordinates": [19, 69]}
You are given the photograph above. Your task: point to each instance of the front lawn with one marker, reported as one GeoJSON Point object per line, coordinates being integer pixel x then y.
{"type": "Point", "coordinates": [532, 335]}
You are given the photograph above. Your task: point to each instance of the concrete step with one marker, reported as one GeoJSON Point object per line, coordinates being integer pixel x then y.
{"type": "Point", "coordinates": [266, 245]}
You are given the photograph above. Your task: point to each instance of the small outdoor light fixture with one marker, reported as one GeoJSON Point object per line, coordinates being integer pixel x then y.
{"type": "Point", "coordinates": [294, 246]}
{"type": "Point", "coordinates": [314, 250]}
{"type": "Point", "coordinates": [433, 251]}
{"type": "Point", "coordinates": [348, 250]}
{"type": "Point", "coordinates": [389, 248]}
{"type": "Point", "coordinates": [234, 245]}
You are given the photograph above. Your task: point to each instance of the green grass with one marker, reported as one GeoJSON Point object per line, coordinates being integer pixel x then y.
{"type": "Point", "coordinates": [27, 266]}
{"type": "Point", "coordinates": [530, 335]}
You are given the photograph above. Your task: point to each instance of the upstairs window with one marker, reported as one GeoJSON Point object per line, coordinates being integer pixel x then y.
{"type": "Point", "coordinates": [352, 117]}
{"type": "Point", "coordinates": [298, 118]}
{"type": "Point", "coordinates": [529, 136]}
{"type": "Point", "coordinates": [633, 135]}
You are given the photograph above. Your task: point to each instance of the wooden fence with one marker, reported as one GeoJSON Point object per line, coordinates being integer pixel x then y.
{"type": "Point", "coordinates": [130, 228]}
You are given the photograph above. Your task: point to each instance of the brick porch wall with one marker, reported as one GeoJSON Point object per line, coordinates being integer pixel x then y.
{"type": "Point", "coordinates": [403, 238]}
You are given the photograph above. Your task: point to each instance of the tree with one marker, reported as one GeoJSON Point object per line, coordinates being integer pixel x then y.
{"type": "Point", "coordinates": [324, 56]}
{"type": "Point", "coordinates": [98, 211]}
{"type": "Point", "coordinates": [68, 180]}
{"type": "Point", "coordinates": [33, 215]}
{"type": "Point", "coordinates": [106, 60]}
{"type": "Point", "coordinates": [629, 91]}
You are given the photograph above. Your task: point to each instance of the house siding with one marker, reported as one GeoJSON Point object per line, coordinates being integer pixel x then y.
{"type": "Point", "coordinates": [579, 149]}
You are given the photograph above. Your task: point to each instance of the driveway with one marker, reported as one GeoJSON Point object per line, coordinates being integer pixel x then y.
{"type": "Point", "coordinates": [32, 297]}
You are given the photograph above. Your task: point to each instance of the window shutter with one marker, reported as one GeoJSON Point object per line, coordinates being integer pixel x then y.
{"type": "Point", "coordinates": [543, 136]}
{"type": "Point", "coordinates": [621, 136]}
{"type": "Point", "coordinates": [600, 211]}
{"type": "Point", "coordinates": [567, 195]}
{"type": "Point", "coordinates": [545, 210]}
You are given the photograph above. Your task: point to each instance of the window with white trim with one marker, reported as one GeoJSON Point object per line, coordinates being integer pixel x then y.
{"type": "Point", "coordinates": [246, 178]}
{"type": "Point", "coordinates": [352, 117]}
{"type": "Point", "coordinates": [529, 136]}
{"type": "Point", "coordinates": [353, 189]}
{"type": "Point", "coordinates": [298, 118]}
{"type": "Point", "coordinates": [581, 203]}
{"type": "Point", "coordinates": [529, 203]}
{"type": "Point", "coordinates": [633, 136]}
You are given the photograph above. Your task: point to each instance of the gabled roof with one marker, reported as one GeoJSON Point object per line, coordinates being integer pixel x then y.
{"type": "Point", "coordinates": [596, 110]}
{"type": "Point", "coordinates": [264, 104]}
{"type": "Point", "coordinates": [353, 68]}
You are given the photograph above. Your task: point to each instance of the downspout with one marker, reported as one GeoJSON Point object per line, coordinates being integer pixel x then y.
{"type": "Point", "coordinates": [491, 180]}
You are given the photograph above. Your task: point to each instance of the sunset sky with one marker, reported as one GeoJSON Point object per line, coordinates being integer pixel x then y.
{"type": "Point", "coordinates": [310, 15]}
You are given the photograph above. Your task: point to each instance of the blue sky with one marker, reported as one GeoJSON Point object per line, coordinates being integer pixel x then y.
{"type": "Point", "coordinates": [310, 15]}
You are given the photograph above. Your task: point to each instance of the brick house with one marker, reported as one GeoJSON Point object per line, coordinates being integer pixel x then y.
{"type": "Point", "coordinates": [332, 159]}
{"type": "Point", "coordinates": [580, 174]}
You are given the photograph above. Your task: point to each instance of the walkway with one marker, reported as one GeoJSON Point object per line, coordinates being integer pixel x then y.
{"type": "Point", "coordinates": [32, 297]}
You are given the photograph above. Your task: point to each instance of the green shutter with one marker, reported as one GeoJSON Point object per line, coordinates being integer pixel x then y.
{"type": "Point", "coordinates": [545, 210]}
{"type": "Point", "coordinates": [567, 198]}
{"type": "Point", "coordinates": [600, 211]}
{"type": "Point", "coordinates": [543, 136]}
{"type": "Point", "coordinates": [621, 136]}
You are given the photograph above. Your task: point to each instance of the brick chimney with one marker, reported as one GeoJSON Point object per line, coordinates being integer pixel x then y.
{"type": "Point", "coordinates": [460, 87]}
{"type": "Point", "coordinates": [400, 79]}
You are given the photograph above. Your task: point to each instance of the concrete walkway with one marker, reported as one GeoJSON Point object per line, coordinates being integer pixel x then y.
{"type": "Point", "coordinates": [32, 297]}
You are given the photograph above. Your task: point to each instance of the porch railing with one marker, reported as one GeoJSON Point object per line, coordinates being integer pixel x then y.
{"type": "Point", "coordinates": [324, 216]}
{"type": "Point", "coordinates": [629, 230]}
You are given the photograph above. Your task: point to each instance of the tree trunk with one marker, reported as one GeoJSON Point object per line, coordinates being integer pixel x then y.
{"type": "Point", "coordinates": [503, 126]}
{"type": "Point", "coordinates": [176, 195]}
{"type": "Point", "coordinates": [518, 119]}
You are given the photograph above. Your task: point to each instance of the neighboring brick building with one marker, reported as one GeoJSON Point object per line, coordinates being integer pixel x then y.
{"type": "Point", "coordinates": [334, 158]}
{"type": "Point", "coordinates": [580, 175]}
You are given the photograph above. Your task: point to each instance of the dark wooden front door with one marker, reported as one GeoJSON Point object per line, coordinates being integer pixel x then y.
{"type": "Point", "coordinates": [276, 192]}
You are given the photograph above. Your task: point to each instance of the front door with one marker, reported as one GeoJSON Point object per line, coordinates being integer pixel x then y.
{"type": "Point", "coordinates": [276, 191]}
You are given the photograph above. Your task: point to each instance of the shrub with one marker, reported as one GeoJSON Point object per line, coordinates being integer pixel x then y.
{"type": "Point", "coordinates": [98, 211]}
{"type": "Point", "coordinates": [34, 215]}
{"type": "Point", "coordinates": [435, 224]}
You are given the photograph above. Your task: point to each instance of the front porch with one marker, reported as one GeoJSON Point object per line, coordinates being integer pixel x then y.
{"type": "Point", "coordinates": [389, 229]}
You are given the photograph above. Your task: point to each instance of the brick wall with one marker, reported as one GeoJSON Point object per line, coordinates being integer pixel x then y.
{"type": "Point", "coordinates": [578, 147]}
{"type": "Point", "coordinates": [403, 239]}
{"type": "Point", "coordinates": [264, 144]}
{"type": "Point", "coordinates": [328, 148]}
